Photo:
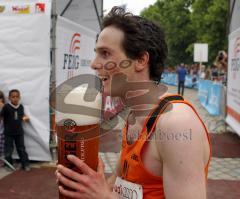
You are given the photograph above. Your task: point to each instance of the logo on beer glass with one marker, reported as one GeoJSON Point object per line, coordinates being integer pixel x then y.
{"type": "Point", "coordinates": [69, 125]}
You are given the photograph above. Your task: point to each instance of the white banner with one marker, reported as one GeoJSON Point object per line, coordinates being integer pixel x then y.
{"type": "Point", "coordinates": [25, 65]}
{"type": "Point", "coordinates": [233, 88]}
{"type": "Point", "coordinates": [74, 50]}
{"type": "Point", "coordinates": [200, 53]}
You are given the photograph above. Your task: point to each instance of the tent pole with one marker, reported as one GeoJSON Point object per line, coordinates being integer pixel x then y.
{"type": "Point", "coordinates": [53, 140]}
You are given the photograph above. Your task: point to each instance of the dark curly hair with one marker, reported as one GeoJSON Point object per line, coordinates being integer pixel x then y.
{"type": "Point", "coordinates": [13, 91]}
{"type": "Point", "coordinates": [2, 96]}
{"type": "Point", "coordinates": [140, 35]}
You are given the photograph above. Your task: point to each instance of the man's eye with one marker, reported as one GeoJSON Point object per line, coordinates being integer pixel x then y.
{"type": "Point", "coordinates": [105, 54]}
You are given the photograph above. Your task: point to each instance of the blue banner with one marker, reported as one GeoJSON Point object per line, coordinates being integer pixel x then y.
{"type": "Point", "coordinates": [209, 95]}
{"type": "Point", "coordinates": [191, 81]}
{"type": "Point", "coordinates": [214, 101]}
{"type": "Point", "coordinates": [203, 91]}
{"type": "Point", "coordinates": [172, 79]}
{"type": "Point", "coordinates": [169, 78]}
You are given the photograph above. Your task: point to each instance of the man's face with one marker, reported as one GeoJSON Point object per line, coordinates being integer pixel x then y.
{"type": "Point", "coordinates": [110, 59]}
{"type": "Point", "coordinates": [14, 98]}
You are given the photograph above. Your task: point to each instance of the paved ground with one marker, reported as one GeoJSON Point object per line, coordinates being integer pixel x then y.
{"type": "Point", "coordinates": [224, 171]}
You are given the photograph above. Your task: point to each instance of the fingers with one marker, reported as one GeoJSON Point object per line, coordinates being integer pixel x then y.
{"type": "Point", "coordinates": [81, 165]}
{"type": "Point", "coordinates": [67, 182]}
{"type": "Point", "coordinates": [56, 177]}
{"type": "Point", "coordinates": [70, 174]}
{"type": "Point", "coordinates": [101, 167]}
{"type": "Point", "coordinates": [68, 193]}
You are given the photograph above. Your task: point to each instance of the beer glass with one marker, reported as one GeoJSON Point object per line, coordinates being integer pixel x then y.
{"type": "Point", "coordinates": [78, 134]}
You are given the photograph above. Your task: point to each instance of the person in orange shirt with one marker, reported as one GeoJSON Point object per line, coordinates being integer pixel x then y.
{"type": "Point", "coordinates": [165, 148]}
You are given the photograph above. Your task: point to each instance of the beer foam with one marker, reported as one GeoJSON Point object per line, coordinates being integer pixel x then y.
{"type": "Point", "coordinates": [76, 97]}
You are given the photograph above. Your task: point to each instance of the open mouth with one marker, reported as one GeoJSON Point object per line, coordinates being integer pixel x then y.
{"type": "Point", "coordinates": [104, 77]}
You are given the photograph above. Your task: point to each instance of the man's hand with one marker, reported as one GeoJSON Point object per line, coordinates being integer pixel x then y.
{"type": "Point", "coordinates": [90, 184]}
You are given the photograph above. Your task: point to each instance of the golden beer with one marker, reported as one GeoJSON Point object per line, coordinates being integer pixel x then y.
{"type": "Point", "coordinates": [78, 134]}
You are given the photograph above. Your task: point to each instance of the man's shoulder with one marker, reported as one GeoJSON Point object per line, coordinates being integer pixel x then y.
{"type": "Point", "coordinates": [179, 117]}
{"type": "Point", "coordinates": [177, 109]}
{"type": "Point", "coordinates": [180, 129]}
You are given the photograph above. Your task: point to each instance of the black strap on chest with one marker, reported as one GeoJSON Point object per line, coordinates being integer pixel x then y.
{"type": "Point", "coordinates": [161, 105]}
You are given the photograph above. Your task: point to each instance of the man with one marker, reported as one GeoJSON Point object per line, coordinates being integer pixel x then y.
{"type": "Point", "coordinates": [182, 72]}
{"type": "Point", "coordinates": [165, 153]}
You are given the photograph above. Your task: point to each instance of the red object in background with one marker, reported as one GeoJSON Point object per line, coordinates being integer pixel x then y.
{"type": "Point", "coordinates": [111, 106]}
{"type": "Point", "coordinates": [40, 7]}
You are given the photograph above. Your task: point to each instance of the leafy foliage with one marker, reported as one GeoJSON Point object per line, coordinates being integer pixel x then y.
{"type": "Point", "coordinates": [191, 21]}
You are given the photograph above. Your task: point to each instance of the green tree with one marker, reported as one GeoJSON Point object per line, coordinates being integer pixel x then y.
{"type": "Point", "coordinates": [174, 17]}
{"type": "Point", "coordinates": [209, 19]}
{"type": "Point", "coordinates": [190, 21]}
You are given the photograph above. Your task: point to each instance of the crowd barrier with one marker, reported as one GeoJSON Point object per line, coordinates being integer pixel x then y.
{"type": "Point", "coordinates": [210, 94]}
{"type": "Point", "coordinates": [172, 79]}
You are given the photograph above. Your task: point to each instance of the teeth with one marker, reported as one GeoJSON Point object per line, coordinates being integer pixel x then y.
{"type": "Point", "coordinates": [103, 78]}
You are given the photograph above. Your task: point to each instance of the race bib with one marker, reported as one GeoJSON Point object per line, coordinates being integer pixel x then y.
{"type": "Point", "coordinates": [127, 189]}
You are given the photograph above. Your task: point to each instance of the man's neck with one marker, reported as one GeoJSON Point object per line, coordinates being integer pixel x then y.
{"type": "Point", "coordinates": [141, 102]}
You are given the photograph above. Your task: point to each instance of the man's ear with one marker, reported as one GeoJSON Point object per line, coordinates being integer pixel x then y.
{"type": "Point", "coordinates": [142, 62]}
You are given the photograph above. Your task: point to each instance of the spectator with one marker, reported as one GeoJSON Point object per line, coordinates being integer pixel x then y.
{"type": "Point", "coordinates": [13, 115]}
{"type": "Point", "coordinates": [208, 74]}
{"type": "Point", "coordinates": [182, 72]}
{"type": "Point", "coordinates": [2, 102]}
{"type": "Point", "coordinates": [214, 72]}
{"type": "Point", "coordinates": [219, 68]}
{"type": "Point", "coordinates": [221, 61]}
{"type": "Point", "coordinates": [202, 73]}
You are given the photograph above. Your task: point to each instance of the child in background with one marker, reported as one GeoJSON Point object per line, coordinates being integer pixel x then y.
{"type": "Point", "coordinates": [2, 102]}
{"type": "Point", "coordinates": [13, 115]}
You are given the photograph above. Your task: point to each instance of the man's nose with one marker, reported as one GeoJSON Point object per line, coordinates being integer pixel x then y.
{"type": "Point", "coordinates": [95, 65]}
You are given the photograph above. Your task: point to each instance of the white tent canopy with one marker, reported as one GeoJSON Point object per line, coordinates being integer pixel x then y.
{"type": "Point", "coordinates": [88, 13]}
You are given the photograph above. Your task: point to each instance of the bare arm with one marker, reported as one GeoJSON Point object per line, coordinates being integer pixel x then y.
{"type": "Point", "coordinates": [183, 154]}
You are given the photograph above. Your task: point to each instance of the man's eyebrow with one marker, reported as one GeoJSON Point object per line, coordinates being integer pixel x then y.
{"type": "Point", "coordinates": [101, 49]}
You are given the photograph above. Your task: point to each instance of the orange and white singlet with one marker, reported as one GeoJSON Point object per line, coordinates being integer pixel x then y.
{"type": "Point", "coordinates": [135, 181]}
